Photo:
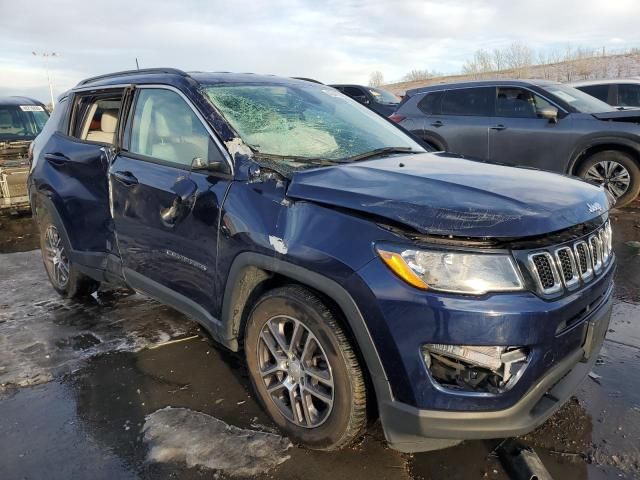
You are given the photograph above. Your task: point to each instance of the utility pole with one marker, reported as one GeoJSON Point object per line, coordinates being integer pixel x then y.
{"type": "Point", "coordinates": [46, 56]}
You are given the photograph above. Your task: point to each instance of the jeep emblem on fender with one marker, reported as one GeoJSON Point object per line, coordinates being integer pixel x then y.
{"type": "Point", "coordinates": [594, 207]}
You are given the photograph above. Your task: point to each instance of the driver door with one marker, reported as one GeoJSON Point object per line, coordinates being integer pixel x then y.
{"type": "Point", "coordinates": [165, 213]}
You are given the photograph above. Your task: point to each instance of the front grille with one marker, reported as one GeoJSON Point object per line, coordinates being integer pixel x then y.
{"type": "Point", "coordinates": [565, 266]}
{"type": "Point", "coordinates": [543, 264]}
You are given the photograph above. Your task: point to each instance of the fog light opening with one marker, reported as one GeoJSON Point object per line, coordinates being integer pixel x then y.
{"type": "Point", "coordinates": [475, 368]}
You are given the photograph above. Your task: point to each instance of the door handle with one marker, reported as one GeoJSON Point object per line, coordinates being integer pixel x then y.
{"type": "Point", "coordinates": [126, 178]}
{"type": "Point", "coordinates": [498, 127]}
{"type": "Point", "coordinates": [57, 159]}
{"type": "Point", "coordinates": [437, 124]}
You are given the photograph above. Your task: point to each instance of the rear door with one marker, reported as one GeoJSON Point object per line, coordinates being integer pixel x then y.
{"type": "Point", "coordinates": [464, 119]}
{"type": "Point", "coordinates": [166, 215]}
{"type": "Point", "coordinates": [74, 161]}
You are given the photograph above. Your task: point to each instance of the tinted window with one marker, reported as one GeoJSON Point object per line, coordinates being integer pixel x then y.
{"type": "Point", "coordinates": [469, 101]}
{"type": "Point", "coordinates": [519, 103]}
{"type": "Point", "coordinates": [430, 103]}
{"type": "Point", "coordinates": [166, 128]}
{"type": "Point", "coordinates": [353, 92]}
{"type": "Point", "coordinates": [601, 92]}
{"type": "Point", "coordinates": [629, 95]}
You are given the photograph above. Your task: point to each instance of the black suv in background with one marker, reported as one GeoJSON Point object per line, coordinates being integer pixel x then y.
{"type": "Point", "coordinates": [536, 123]}
{"type": "Point", "coordinates": [21, 120]}
{"type": "Point", "coordinates": [619, 92]}
{"type": "Point", "coordinates": [376, 99]}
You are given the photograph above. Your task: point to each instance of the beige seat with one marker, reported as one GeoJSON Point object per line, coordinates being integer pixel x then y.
{"type": "Point", "coordinates": [108, 123]}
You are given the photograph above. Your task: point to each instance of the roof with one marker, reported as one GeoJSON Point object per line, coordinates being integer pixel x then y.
{"type": "Point", "coordinates": [17, 100]}
{"type": "Point", "coordinates": [173, 76]}
{"type": "Point", "coordinates": [607, 81]}
{"type": "Point", "coordinates": [481, 83]}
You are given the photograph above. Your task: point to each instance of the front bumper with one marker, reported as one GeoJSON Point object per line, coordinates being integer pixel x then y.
{"type": "Point", "coordinates": [410, 429]}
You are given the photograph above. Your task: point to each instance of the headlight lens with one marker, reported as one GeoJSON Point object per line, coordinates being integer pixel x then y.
{"type": "Point", "coordinates": [457, 272]}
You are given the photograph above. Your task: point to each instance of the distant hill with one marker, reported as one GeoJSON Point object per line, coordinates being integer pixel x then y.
{"type": "Point", "coordinates": [608, 66]}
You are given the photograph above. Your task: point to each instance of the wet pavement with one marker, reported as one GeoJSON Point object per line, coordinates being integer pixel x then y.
{"type": "Point", "coordinates": [84, 391]}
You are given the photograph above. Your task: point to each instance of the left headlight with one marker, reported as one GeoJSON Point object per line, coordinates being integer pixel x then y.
{"type": "Point", "coordinates": [456, 272]}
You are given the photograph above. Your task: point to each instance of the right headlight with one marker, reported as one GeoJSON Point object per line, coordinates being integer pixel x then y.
{"type": "Point", "coordinates": [453, 271]}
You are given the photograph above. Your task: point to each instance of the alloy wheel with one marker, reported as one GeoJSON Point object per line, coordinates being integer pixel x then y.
{"type": "Point", "coordinates": [55, 257]}
{"type": "Point", "coordinates": [612, 175]}
{"type": "Point", "coordinates": [295, 371]}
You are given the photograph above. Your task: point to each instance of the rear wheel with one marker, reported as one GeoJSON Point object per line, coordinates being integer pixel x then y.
{"type": "Point", "coordinates": [64, 276]}
{"type": "Point", "coordinates": [616, 171]}
{"type": "Point", "coordinates": [304, 370]}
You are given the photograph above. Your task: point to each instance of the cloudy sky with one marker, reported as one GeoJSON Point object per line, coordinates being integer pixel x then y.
{"type": "Point", "coordinates": [333, 41]}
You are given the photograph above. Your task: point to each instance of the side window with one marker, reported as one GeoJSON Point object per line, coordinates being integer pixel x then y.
{"type": "Point", "coordinates": [96, 117]}
{"type": "Point", "coordinates": [629, 95]}
{"type": "Point", "coordinates": [601, 92]}
{"type": "Point", "coordinates": [519, 103]}
{"type": "Point", "coordinates": [165, 127]}
{"type": "Point", "coordinates": [430, 103]}
{"type": "Point", "coordinates": [356, 93]}
{"type": "Point", "coordinates": [469, 101]}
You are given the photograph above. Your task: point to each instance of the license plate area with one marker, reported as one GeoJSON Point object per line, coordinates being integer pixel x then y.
{"type": "Point", "coordinates": [596, 331]}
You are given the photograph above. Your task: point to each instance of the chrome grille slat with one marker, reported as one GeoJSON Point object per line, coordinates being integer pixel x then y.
{"type": "Point", "coordinates": [570, 265]}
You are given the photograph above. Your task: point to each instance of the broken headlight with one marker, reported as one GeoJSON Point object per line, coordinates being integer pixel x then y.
{"type": "Point", "coordinates": [457, 272]}
{"type": "Point", "coordinates": [475, 368]}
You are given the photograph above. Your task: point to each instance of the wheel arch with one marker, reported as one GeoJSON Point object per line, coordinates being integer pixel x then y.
{"type": "Point", "coordinates": [432, 138]}
{"type": "Point", "coordinates": [252, 274]}
{"type": "Point", "coordinates": [586, 151]}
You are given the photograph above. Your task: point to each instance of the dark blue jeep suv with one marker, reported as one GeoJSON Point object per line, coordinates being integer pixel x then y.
{"type": "Point", "coordinates": [358, 273]}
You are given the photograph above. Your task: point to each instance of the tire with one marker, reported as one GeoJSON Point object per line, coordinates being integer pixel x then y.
{"type": "Point", "coordinates": [54, 246]}
{"type": "Point", "coordinates": [329, 356]}
{"type": "Point", "coordinates": [603, 166]}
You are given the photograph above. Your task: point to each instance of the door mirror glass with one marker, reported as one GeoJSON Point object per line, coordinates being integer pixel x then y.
{"type": "Point", "coordinates": [550, 113]}
{"type": "Point", "coordinates": [202, 164]}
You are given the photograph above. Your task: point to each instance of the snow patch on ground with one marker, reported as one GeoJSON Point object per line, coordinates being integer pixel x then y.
{"type": "Point", "coordinates": [198, 439]}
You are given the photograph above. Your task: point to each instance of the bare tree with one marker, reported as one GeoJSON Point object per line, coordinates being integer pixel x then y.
{"type": "Point", "coordinates": [416, 75]}
{"type": "Point", "coordinates": [518, 57]}
{"type": "Point", "coordinates": [376, 79]}
{"type": "Point", "coordinates": [498, 59]}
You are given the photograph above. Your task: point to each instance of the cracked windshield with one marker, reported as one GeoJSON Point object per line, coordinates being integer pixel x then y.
{"type": "Point", "coordinates": [299, 126]}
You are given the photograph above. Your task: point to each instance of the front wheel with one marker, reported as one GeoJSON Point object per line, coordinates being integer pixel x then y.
{"type": "Point", "coordinates": [64, 276]}
{"type": "Point", "coordinates": [304, 370]}
{"type": "Point", "coordinates": [616, 171]}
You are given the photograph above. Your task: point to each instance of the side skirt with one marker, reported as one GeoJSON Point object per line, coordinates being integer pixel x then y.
{"type": "Point", "coordinates": [175, 300]}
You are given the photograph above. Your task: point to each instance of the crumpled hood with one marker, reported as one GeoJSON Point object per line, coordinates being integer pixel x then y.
{"type": "Point", "coordinates": [445, 194]}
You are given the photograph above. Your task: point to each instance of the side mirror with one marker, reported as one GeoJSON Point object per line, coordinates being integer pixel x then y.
{"type": "Point", "coordinates": [550, 113]}
{"type": "Point", "coordinates": [200, 164]}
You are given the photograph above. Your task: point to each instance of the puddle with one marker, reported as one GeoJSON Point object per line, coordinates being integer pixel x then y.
{"type": "Point", "coordinates": [198, 439]}
{"type": "Point", "coordinates": [43, 335]}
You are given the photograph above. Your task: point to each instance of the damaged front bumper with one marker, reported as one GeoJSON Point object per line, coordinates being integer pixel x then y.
{"type": "Point", "coordinates": [410, 429]}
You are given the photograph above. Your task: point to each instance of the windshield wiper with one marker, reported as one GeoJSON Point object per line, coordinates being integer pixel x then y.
{"type": "Point", "coordinates": [377, 152]}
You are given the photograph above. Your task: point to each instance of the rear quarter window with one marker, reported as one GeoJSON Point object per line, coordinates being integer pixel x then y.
{"type": "Point", "coordinates": [430, 103]}
{"type": "Point", "coordinates": [469, 101]}
{"type": "Point", "coordinates": [601, 92]}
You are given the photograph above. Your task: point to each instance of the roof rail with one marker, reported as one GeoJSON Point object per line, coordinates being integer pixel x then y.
{"type": "Point", "coordinates": [173, 71]}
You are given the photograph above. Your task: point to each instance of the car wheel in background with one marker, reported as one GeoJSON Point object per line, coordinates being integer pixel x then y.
{"type": "Point", "coordinates": [616, 171]}
{"type": "Point", "coordinates": [304, 370]}
{"type": "Point", "coordinates": [65, 278]}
